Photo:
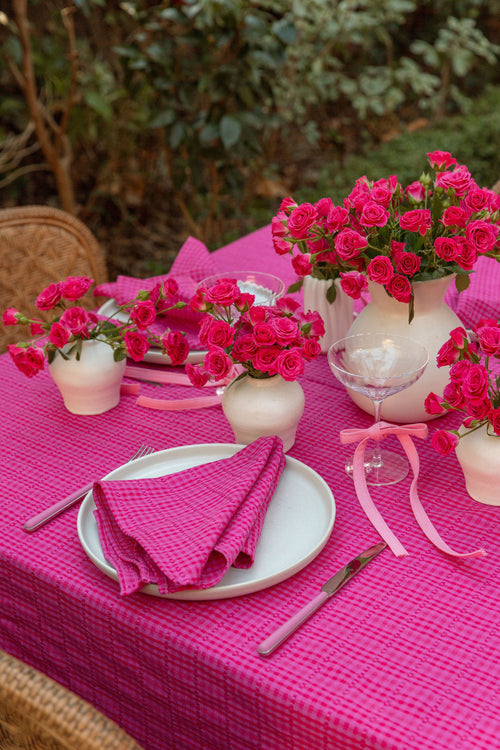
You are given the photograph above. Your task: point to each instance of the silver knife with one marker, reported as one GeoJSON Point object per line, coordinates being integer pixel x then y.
{"type": "Point", "coordinates": [328, 589]}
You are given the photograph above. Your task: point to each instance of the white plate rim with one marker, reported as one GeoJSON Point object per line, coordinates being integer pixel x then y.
{"type": "Point", "coordinates": [221, 590]}
{"type": "Point", "coordinates": [154, 355]}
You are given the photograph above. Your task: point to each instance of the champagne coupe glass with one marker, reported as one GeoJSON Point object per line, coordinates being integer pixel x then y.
{"type": "Point", "coordinates": [378, 365]}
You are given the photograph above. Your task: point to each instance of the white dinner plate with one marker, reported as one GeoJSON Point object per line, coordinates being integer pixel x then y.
{"type": "Point", "coordinates": [154, 355]}
{"type": "Point", "coordinates": [297, 526]}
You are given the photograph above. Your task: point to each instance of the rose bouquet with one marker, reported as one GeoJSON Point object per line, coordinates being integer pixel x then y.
{"type": "Point", "coordinates": [64, 325]}
{"type": "Point", "coordinates": [394, 235]}
{"type": "Point", "coordinates": [261, 341]}
{"type": "Point", "coordinates": [474, 384]}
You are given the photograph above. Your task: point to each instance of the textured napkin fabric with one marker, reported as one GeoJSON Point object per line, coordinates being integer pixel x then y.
{"type": "Point", "coordinates": [192, 265]}
{"type": "Point", "coordinates": [481, 299]}
{"type": "Point", "coordinates": [185, 530]}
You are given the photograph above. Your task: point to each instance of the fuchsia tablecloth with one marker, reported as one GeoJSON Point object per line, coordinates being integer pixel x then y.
{"type": "Point", "coordinates": [406, 657]}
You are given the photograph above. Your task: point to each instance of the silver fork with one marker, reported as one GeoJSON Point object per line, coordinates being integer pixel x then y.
{"type": "Point", "coordinates": [36, 522]}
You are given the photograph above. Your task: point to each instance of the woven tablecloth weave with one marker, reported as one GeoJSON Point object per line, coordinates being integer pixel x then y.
{"type": "Point", "coordinates": [406, 657]}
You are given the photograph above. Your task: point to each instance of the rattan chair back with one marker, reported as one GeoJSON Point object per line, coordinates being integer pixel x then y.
{"type": "Point", "coordinates": [37, 713]}
{"type": "Point", "coordinates": [40, 245]}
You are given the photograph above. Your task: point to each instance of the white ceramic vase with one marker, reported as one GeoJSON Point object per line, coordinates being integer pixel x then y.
{"type": "Point", "coordinates": [337, 316]}
{"type": "Point", "coordinates": [90, 385]}
{"type": "Point", "coordinates": [479, 456]}
{"type": "Point", "coordinates": [431, 326]}
{"type": "Point", "coordinates": [258, 407]}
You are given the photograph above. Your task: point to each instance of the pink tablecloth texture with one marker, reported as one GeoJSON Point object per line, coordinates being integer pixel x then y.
{"type": "Point", "coordinates": [406, 657]}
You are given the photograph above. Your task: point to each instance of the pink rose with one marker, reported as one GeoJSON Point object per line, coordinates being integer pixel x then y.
{"type": "Point", "coordinates": [281, 246]}
{"type": "Point", "coordinates": [285, 330]}
{"type": "Point", "coordinates": [196, 375]}
{"type": "Point", "coordinates": [407, 263]}
{"type": "Point", "coordinates": [288, 305]}
{"type": "Point", "coordinates": [348, 243]}
{"type": "Point", "coordinates": [459, 370]}
{"type": "Point", "coordinates": [495, 420]}
{"type": "Point", "coordinates": [9, 316]}
{"type": "Point", "coordinates": [244, 348]}
{"type": "Point", "coordinates": [58, 335]}
{"type": "Point", "coordinates": [444, 442]}
{"type": "Point", "coordinates": [176, 346]}
{"type": "Point", "coordinates": [224, 292]}
{"type": "Point", "coordinates": [198, 302]}
{"type": "Point", "coordinates": [170, 290]}
{"type": "Point", "coordinates": [467, 255]}
{"type": "Point", "coordinates": [323, 207]}
{"type": "Point", "coordinates": [447, 355]}
{"type": "Point", "coordinates": [264, 359]}
{"type": "Point", "coordinates": [28, 361]}
{"type": "Point", "coordinates": [77, 320]}
{"type": "Point", "coordinates": [453, 395]}
{"type": "Point", "coordinates": [287, 205]}
{"type": "Point", "coordinates": [217, 363]}
{"type": "Point", "coordinates": [301, 220]}
{"type": "Point", "coordinates": [418, 220]}
{"type": "Point", "coordinates": [380, 270]}
{"type": "Point", "coordinates": [382, 195]}
{"type": "Point", "coordinates": [400, 288]}
{"type": "Point", "coordinates": [219, 333]}
{"type": "Point", "coordinates": [446, 248]}
{"type": "Point", "coordinates": [489, 340]}
{"type": "Point", "coordinates": [290, 364]}
{"type": "Point", "coordinates": [432, 404]}
{"type": "Point", "coordinates": [481, 235]}
{"type": "Point", "coordinates": [477, 199]}
{"type": "Point", "coordinates": [374, 215]}
{"type": "Point", "coordinates": [244, 302]}
{"type": "Point", "coordinates": [459, 180]}
{"type": "Point", "coordinates": [458, 337]}
{"type": "Point", "coordinates": [441, 160]}
{"type": "Point", "coordinates": [476, 382]}
{"type": "Point", "coordinates": [302, 264]}
{"type": "Point", "coordinates": [278, 225]}
{"type": "Point", "coordinates": [353, 284]}
{"type": "Point", "coordinates": [478, 408]}
{"type": "Point", "coordinates": [358, 196]}
{"type": "Point", "coordinates": [337, 218]}
{"type": "Point", "coordinates": [49, 297]}
{"type": "Point", "coordinates": [416, 192]}
{"type": "Point", "coordinates": [311, 349]}
{"type": "Point", "coordinates": [143, 314]}
{"type": "Point", "coordinates": [36, 328]}
{"type": "Point", "coordinates": [137, 345]}
{"type": "Point", "coordinates": [454, 216]}
{"type": "Point", "coordinates": [75, 287]}
{"type": "Point", "coordinates": [313, 323]}
{"type": "Point", "coordinates": [264, 334]}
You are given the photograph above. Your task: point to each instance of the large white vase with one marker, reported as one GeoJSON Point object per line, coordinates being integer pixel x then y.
{"type": "Point", "coordinates": [479, 456]}
{"type": "Point", "coordinates": [259, 407]}
{"type": "Point", "coordinates": [337, 316]}
{"type": "Point", "coordinates": [431, 326]}
{"type": "Point", "coordinates": [92, 384]}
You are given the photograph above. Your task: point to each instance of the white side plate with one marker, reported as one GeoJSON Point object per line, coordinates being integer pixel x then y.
{"type": "Point", "coordinates": [110, 308]}
{"type": "Point", "coordinates": [297, 526]}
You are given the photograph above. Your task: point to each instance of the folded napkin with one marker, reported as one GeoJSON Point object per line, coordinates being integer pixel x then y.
{"type": "Point", "coordinates": [192, 265]}
{"type": "Point", "coordinates": [185, 530]}
{"type": "Point", "coordinates": [481, 299]}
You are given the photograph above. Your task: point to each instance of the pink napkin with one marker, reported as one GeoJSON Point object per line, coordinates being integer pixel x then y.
{"type": "Point", "coordinates": [193, 263]}
{"type": "Point", "coordinates": [481, 299]}
{"type": "Point", "coordinates": [185, 530]}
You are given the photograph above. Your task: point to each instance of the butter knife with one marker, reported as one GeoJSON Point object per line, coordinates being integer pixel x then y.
{"type": "Point", "coordinates": [328, 589]}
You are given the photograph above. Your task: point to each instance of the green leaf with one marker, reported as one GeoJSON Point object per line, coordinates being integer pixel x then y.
{"type": "Point", "coordinates": [295, 287]}
{"type": "Point", "coordinates": [166, 117]}
{"type": "Point", "coordinates": [462, 281]}
{"type": "Point", "coordinates": [331, 293]}
{"type": "Point", "coordinates": [99, 104]}
{"type": "Point", "coordinates": [230, 131]}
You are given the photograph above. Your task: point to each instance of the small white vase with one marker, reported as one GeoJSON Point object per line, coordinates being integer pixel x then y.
{"type": "Point", "coordinates": [431, 326]}
{"type": "Point", "coordinates": [479, 456]}
{"type": "Point", "coordinates": [337, 316]}
{"type": "Point", "coordinates": [90, 385]}
{"type": "Point", "coordinates": [258, 407]}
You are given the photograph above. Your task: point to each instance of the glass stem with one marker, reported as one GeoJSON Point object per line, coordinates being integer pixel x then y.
{"type": "Point", "coordinates": [376, 461]}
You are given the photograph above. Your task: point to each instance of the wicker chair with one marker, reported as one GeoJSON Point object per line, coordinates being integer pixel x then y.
{"type": "Point", "coordinates": [40, 245]}
{"type": "Point", "coordinates": [37, 713]}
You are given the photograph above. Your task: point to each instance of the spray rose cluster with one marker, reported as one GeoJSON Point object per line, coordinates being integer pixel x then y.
{"type": "Point", "coordinates": [262, 340]}
{"type": "Point", "coordinates": [70, 324]}
{"type": "Point", "coordinates": [474, 385]}
{"type": "Point", "coordinates": [393, 235]}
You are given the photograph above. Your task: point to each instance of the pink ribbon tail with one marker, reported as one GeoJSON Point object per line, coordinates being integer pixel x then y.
{"type": "Point", "coordinates": [403, 433]}
{"type": "Point", "coordinates": [183, 404]}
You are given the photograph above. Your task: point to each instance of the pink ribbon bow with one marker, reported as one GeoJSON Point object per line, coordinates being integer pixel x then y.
{"type": "Point", "coordinates": [404, 434]}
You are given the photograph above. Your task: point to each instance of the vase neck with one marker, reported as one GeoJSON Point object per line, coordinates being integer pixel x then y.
{"type": "Point", "coordinates": [428, 295]}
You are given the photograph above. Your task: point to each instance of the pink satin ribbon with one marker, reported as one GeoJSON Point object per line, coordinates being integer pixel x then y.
{"type": "Point", "coordinates": [404, 434]}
